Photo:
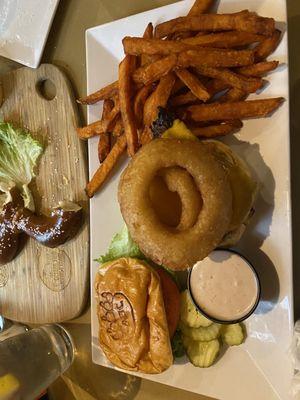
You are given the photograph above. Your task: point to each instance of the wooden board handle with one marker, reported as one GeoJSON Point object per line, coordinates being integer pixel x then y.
{"type": "Point", "coordinates": [41, 284]}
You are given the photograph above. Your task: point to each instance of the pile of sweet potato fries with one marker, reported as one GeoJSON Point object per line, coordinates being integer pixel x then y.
{"type": "Point", "coordinates": [201, 66]}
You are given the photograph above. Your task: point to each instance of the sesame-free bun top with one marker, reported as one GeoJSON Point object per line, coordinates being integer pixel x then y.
{"type": "Point", "coordinates": [133, 329]}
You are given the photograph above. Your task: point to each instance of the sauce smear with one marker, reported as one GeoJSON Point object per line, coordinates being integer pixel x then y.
{"type": "Point", "coordinates": [224, 286]}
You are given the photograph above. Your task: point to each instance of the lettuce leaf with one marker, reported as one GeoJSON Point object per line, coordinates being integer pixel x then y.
{"type": "Point", "coordinates": [121, 245]}
{"type": "Point", "coordinates": [19, 154]}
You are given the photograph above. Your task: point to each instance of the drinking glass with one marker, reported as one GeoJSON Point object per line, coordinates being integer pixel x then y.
{"type": "Point", "coordinates": [31, 361]}
{"type": "Point", "coordinates": [9, 328]}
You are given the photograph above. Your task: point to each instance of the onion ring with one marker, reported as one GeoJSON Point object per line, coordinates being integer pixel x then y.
{"type": "Point", "coordinates": [179, 180]}
{"type": "Point", "coordinates": [166, 204]}
{"type": "Point", "coordinates": [244, 190]}
{"type": "Point", "coordinates": [176, 250]}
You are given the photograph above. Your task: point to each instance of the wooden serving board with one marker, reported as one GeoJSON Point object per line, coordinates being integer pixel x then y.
{"type": "Point", "coordinates": [42, 284]}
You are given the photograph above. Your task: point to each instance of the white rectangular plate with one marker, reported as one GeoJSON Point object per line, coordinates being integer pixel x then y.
{"type": "Point", "coordinates": [24, 27]}
{"type": "Point", "coordinates": [259, 369]}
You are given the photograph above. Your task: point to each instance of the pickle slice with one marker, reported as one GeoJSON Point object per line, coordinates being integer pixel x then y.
{"type": "Point", "coordinates": [202, 334]}
{"type": "Point", "coordinates": [189, 315]}
{"type": "Point", "coordinates": [186, 341]}
{"type": "Point", "coordinates": [203, 354]}
{"type": "Point", "coordinates": [232, 334]}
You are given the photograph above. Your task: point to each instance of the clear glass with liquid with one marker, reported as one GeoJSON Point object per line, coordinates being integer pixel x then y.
{"type": "Point", "coordinates": [31, 361]}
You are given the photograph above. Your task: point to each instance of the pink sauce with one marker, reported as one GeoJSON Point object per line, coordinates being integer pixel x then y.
{"type": "Point", "coordinates": [224, 285]}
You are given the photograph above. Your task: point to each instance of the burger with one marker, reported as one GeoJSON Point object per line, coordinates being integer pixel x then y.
{"type": "Point", "coordinates": [138, 311]}
{"type": "Point", "coordinates": [206, 170]}
{"type": "Point", "coordinates": [244, 187]}
{"type": "Point", "coordinates": [244, 191]}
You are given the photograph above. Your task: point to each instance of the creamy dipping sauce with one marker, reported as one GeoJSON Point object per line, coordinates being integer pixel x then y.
{"type": "Point", "coordinates": [224, 286]}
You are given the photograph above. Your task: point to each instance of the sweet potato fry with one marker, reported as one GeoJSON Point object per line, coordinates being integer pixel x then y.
{"type": "Point", "coordinates": [193, 83]}
{"type": "Point", "coordinates": [178, 86]}
{"type": "Point", "coordinates": [247, 22]}
{"type": "Point", "coordinates": [191, 58]}
{"type": "Point", "coordinates": [105, 168]}
{"type": "Point", "coordinates": [101, 126]}
{"type": "Point", "coordinates": [104, 139]}
{"type": "Point", "coordinates": [154, 71]}
{"type": "Point", "coordinates": [180, 35]}
{"type": "Point", "coordinates": [258, 69]}
{"type": "Point", "coordinates": [215, 86]}
{"type": "Point", "coordinates": [215, 58]}
{"type": "Point", "coordinates": [118, 129]}
{"type": "Point", "coordinates": [189, 34]}
{"type": "Point", "coordinates": [158, 98]}
{"type": "Point", "coordinates": [139, 103]}
{"type": "Point", "coordinates": [145, 58]}
{"type": "Point", "coordinates": [224, 40]}
{"type": "Point", "coordinates": [200, 7]}
{"type": "Point", "coordinates": [112, 115]}
{"type": "Point", "coordinates": [182, 99]}
{"type": "Point", "coordinates": [105, 93]}
{"type": "Point", "coordinates": [265, 48]}
{"type": "Point", "coordinates": [91, 130]}
{"type": "Point", "coordinates": [126, 68]}
{"type": "Point", "coordinates": [248, 85]}
{"type": "Point", "coordinates": [148, 33]}
{"type": "Point", "coordinates": [145, 136]}
{"type": "Point", "coordinates": [233, 94]}
{"type": "Point", "coordinates": [236, 110]}
{"type": "Point", "coordinates": [137, 46]}
{"type": "Point", "coordinates": [222, 129]}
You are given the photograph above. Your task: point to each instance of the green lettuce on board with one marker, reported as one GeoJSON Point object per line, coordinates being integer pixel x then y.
{"type": "Point", "coordinates": [19, 154]}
